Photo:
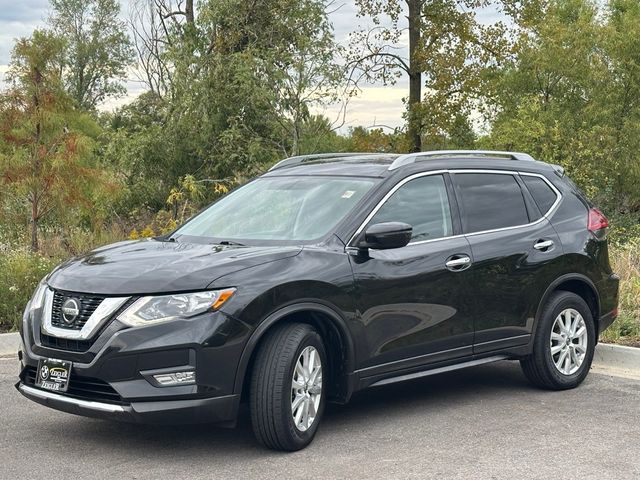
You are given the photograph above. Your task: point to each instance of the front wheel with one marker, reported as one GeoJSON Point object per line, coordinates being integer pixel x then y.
{"type": "Point", "coordinates": [287, 391]}
{"type": "Point", "coordinates": [564, 343]}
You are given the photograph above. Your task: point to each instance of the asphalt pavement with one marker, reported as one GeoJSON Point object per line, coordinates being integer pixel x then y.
{"type": "Point", "coordinates": [481, 423]}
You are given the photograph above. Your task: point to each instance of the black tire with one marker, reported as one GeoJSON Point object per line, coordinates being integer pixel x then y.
{"type": "Point", "coordinates": [271, 380]}
{"type": "Point", "coordinates": [539, 367]}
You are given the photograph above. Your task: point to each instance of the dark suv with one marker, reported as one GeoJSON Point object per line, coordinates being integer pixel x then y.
{"type": "Point", "coordinates": [327, 275]}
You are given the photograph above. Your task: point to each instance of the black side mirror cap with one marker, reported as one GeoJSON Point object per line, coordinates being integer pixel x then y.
{"type": "Point", "coordinates": [383, 236]}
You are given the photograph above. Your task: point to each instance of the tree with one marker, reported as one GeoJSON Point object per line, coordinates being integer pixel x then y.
{"type": "Point", "coordinates": [542, 95]}
{"type": "Point", "coordinates": [98, 49]}
{"type": "Point", "coordinates": [319, 135]}
{"type": "Point", "coordinates": [295, 55]}
{"type": "Point", "coordinates": [309, 74]}
{"type": "Point", "coordinates": [157, 26]}
{"type": "Point", "coordinates": [570, 93]}
{"type": "Point", "coordinates": [447, 55]}
{"type": "Point", "coordinates": [620, 97]}
{"type": "Point", "coordinates": [376, 140]}
{"type": "Point", "coordinates": [45, 155]}
{"type": "Point", "coordinates": [242, 81]}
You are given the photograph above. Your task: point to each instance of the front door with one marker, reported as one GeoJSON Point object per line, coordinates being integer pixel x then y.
{"type": "Point", "coordinates": [413, 307]}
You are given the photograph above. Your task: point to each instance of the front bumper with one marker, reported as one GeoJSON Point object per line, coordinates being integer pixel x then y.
{"type": "Point", "coordinates": [204, 410]}
{"type": "Point", "coordinates": [114, 377]}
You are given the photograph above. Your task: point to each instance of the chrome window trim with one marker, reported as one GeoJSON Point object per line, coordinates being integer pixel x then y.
{"type": "Point", "coordinates": [45, 395]}
{"type": "Point", "coordinates": [544, 216]}
{"type": "Point", "coordinates": [107, 307]}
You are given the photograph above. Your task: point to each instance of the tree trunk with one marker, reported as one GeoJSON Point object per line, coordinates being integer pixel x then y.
{"type": "Point", "coordinates": [188, 10]}
{"type": "Point", "coordinates": [34, 227]}
{"type": "Point", "coordinates": [415, 75]}
{"type": "Point", "coordinates": [37, 165]}
{"type": "Point", "coordinates": [295, 147]}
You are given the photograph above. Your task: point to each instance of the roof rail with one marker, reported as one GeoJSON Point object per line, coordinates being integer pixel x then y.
{"type": "Point", "coordinates": [300, 159]}
{"type": "Point", "coordinates": [415, 157]}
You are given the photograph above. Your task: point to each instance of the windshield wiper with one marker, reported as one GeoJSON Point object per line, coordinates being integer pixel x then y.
{"type": "Point", "coordinates": [166, 238]}
{"type": "Point", "coordinates": [230, 243]}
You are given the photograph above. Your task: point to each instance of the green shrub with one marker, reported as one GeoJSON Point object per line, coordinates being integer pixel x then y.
{"type": "Point", "coordinates": [624, 230]}
{"type": "Point", "coordinates": [20, 272]}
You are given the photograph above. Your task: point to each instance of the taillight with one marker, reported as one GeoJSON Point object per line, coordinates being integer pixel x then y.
{"type": "Point", "coordinates": [597, 220]}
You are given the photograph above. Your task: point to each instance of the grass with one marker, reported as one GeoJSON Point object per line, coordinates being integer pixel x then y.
{"type": "Point", "coordinates": [625, 261]}
{"type": "Point", "coordinates": [21, 270]}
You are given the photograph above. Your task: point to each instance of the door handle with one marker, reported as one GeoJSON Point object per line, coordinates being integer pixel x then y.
{"type": "Point", "coordinates": [457, 263]}
{"type": "Point", "coordinates": [543, 244]}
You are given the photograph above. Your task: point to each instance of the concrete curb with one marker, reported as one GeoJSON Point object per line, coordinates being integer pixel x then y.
{"type": "Point", "coordinates": [617, 360]}
{"type": "Point", "coordinates": [9, 344]}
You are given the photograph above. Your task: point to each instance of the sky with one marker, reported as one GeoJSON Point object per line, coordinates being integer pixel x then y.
{"type": "Point", "coordinates": [375, 105]}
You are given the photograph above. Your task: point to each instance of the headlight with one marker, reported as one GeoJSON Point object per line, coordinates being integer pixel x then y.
{"type": "Point", "coordinates": [37, 299]}
{"type": "Point", "coordinates": [150, 310]}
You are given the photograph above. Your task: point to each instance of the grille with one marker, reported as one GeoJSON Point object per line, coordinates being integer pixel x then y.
{"type": "Point", "coordinates": [65, 344]}
{"type": "Point", "coordinates": [83, 388]}
{"type": "Point", "coordinates": [88, 305]}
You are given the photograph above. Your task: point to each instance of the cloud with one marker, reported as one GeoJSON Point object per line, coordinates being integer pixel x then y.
{"type": "Point", "coordinates": [23, 10]}
{"type": "Point", "coordinates": [374, 106]}
{"type": "Point", "coordinates": [19, 19]}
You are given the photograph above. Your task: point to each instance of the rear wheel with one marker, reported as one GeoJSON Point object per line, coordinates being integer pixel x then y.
{"type": "Point", "coordinates": [564, 343]}
{"type": "Point", "coordinates": [287, 392]}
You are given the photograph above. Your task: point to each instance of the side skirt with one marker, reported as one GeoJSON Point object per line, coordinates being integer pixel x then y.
{"type": "Point", "coordinates": [435, 371]}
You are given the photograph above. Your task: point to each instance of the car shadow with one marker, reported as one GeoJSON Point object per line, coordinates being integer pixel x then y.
{"type": "Point", "coordinates": [371, 407]}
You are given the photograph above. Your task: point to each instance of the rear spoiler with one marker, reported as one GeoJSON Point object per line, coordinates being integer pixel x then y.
{"type": "Point", "coordinates": [558, 169]}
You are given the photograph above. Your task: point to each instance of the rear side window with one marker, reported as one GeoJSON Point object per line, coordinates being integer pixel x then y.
{"type": "Point", "coordinates": [541, 192]}
{"type": "Point", "coordinates": [422, 203]}
{"type": "Point", "coordinates": [489, 201]}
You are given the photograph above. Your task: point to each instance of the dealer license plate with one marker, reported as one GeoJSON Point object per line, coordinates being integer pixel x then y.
{"type": "Point", "coordinates": [53, 375]}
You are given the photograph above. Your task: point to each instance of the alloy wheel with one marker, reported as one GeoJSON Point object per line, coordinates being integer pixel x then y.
{"type": "Point", "coordinates": [569, 341]}
{"type": "Point", "coordinates": [306, 388]}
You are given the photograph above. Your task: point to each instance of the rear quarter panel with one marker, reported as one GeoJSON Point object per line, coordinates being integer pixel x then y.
{"type": "Point", "coordinates": [585, 254]}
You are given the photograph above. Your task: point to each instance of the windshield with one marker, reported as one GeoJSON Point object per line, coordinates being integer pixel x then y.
{"type": "Point", "coordinates": [279, 208]}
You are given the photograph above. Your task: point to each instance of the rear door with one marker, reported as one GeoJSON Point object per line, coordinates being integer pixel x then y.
{"type": "Point", "coordinates": [413, 308]}
{"type": "Point", "coordinates": [513, 247]}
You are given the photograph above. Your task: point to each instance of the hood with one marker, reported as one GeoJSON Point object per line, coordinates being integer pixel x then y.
{"type": "Point", "coordinates": [152, 266]}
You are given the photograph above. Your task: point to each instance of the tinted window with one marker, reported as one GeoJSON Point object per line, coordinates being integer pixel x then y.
{"type": "Point", "coordinates": [540, 191]}
{"type": "Point", "coordinates": [423, 204]}
{"type": "Point", "coordinates": [490, 201]}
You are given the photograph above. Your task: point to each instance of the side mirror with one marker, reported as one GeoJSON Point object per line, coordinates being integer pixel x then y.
{"type": "Point", "coordinates": [382, 236]}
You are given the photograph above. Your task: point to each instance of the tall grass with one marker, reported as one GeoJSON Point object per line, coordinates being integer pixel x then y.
{"type": "Point", "coordinates": [625, 261]}
{"type": "Point", "coordinates": [21, 270]}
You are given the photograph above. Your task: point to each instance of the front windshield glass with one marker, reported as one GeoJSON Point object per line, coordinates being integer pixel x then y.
{"type": "Point", "coordinates": [279, 208]}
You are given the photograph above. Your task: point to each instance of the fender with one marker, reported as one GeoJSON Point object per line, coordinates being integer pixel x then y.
{"type": "Point", "coordinates": [338, 321]}
{"type": "Point", "coordinates": [552, 287]}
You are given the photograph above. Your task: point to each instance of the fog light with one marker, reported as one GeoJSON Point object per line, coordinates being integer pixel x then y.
{"type": "Point", "coordinates": [175, 378]}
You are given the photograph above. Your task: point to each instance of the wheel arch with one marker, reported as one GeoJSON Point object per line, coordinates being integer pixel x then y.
{"type": "Point", "coordinates": [576, 283]}
{"type": "Point", "coordinates": [333, 329]}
